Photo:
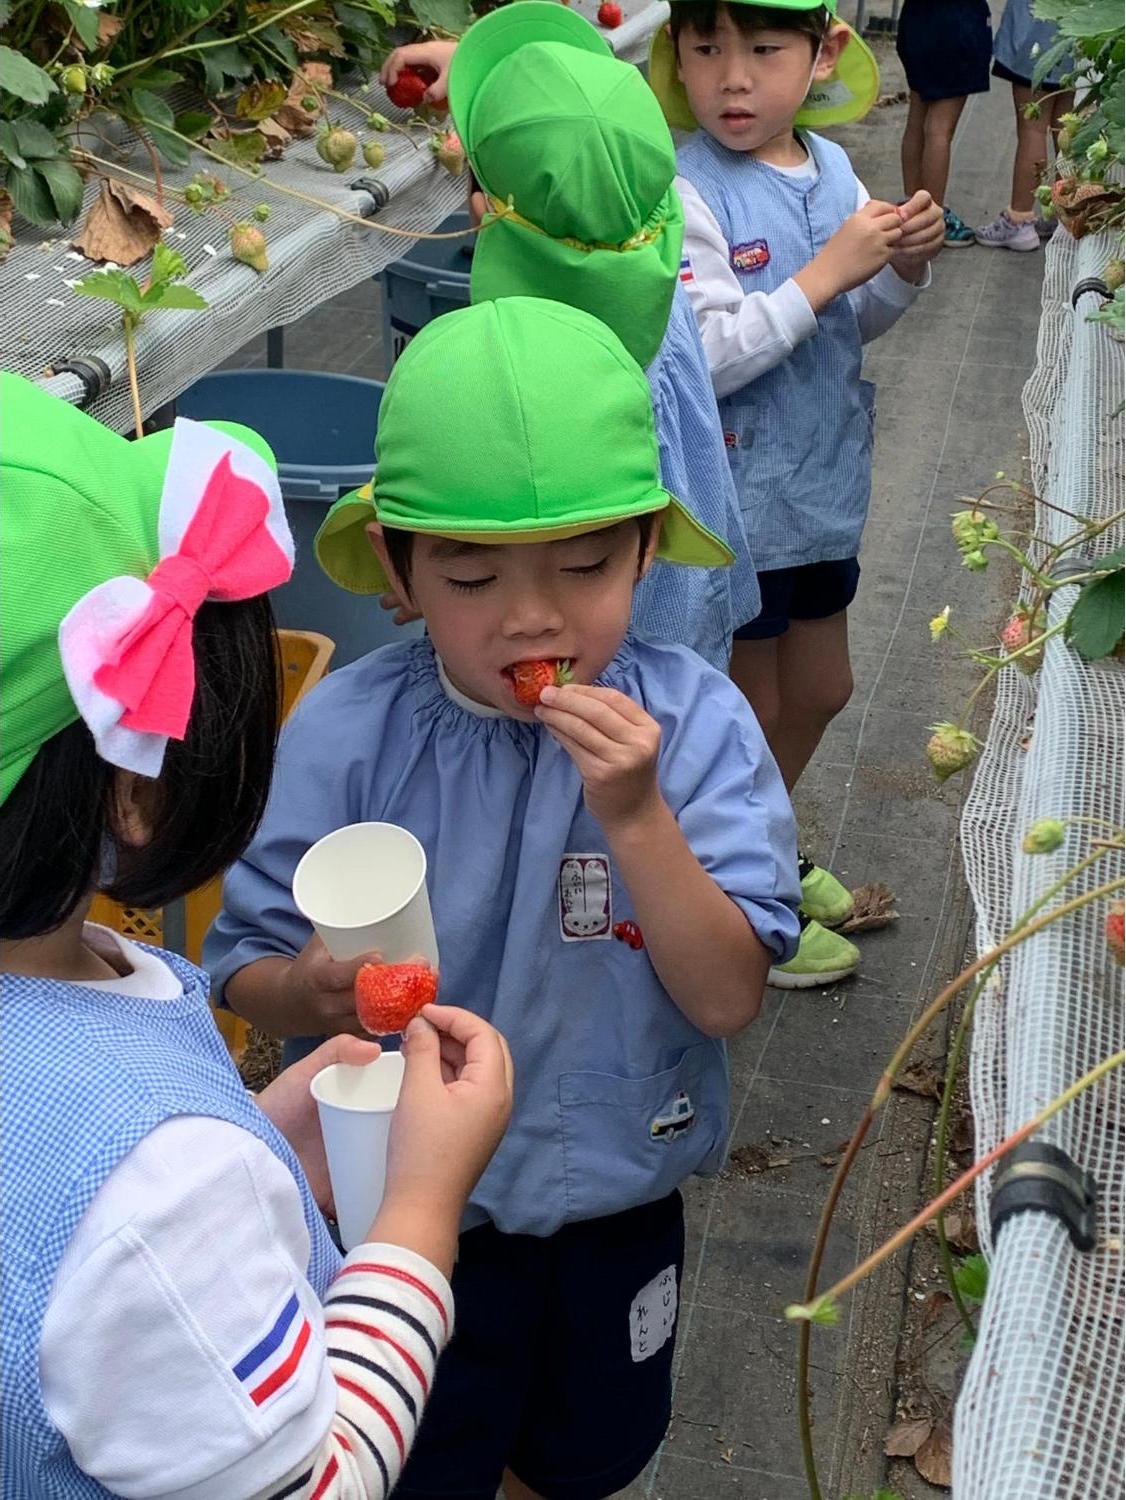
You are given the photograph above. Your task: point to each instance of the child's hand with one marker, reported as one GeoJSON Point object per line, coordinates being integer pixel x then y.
{"type": "Point", "coordinates": [289, 1104]}
{"type": "Point", "coordinates": [436, 55]}
{"type": "Point", "coordinates": [923, 232]}
{"type": "Point", "coordinates": [318, 992]}
{"type": "Point", "coordinates": [863, 245]}
{"type": "Point", "coordinates": [452, 1112]}
{"type": "Point", "coordinates": [613, 742]}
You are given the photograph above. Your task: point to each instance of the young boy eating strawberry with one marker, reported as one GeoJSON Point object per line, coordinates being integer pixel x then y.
{"type": "Point", "coordinates": [611, 870]}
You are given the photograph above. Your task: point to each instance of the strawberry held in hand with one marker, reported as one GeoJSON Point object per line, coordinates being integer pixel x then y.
{"type": "Point", "coordinates": [409, 89]}
{"type": "Point", "coordinates": [529, 678]}
{"type": "Point", "coordinates": [389, 996]}
{"type": "Point", "coordinates": [609, 15]}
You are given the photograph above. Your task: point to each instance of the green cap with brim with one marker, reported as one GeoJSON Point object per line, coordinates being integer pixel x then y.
{"type": "Point", "coordinates": [846, 95]}
{"type": "Point", "coordinates": [516, 420]}
{"type": "Point", "coordinates": [79, 505]}
{"type": "Point", "coordinates": [576, 158]}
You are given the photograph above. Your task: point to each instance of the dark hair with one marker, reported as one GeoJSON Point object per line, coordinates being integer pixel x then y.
{"type": "Point", "coordinates": [57, 826]}
{"type": "Point", "coordinates": [400, 545]}
{"type": "Point", "coordinates": [702, 16]}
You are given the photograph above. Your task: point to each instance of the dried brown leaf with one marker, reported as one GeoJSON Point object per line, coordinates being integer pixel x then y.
{"type": "Point", "coordinates": [920, 1078]}
{"type": "Point", "coordinates": [962, 1135]}
{"type": "Point", "coordinates": [906, 1438]}
{"type": "Point", "coordinates": [123, 225]}
{"type": "Point", "coordinates": [277, 138]}
{"type": "Point", "coordinates": [6, 240]}
{"type": "Point", "coordinates": [934, 1460]}
{"type": "Point", "coordinates": [292, 115]}
{"type": "Point", "coordinates": [934, 1306]}
{"type": "Point", "coordinates": [872, 906]}
{"type": "Point", "coordinates": [259, 100]}
{"type": "Point", "coordinates": [108, 27]}
{"type": "Point", "coordinates": [961, 1231]}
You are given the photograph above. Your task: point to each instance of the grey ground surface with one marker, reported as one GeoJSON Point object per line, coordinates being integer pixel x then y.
{"type": "Point", "coordinates": [949, 378]}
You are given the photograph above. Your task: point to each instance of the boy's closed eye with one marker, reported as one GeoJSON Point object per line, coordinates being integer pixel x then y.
{"type": "Point", "coordinates": [474, 585]}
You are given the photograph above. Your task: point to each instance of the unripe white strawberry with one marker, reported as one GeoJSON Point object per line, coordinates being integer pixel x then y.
{"type": "Point", "coordinates": [337, 147]}
{"type": "Point", "coordinates": [950, 749]}
{"type": "Point", "coordinates": [248, 245]}
{"type": "Point", "coordinates": [1020, 631]}
{"type": "Point", "coordinates": [375, 154]}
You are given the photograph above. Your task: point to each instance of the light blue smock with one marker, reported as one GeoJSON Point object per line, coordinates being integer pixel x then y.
{"type": "Point", "coordinates": [87, 1075]}
{"type": "Point", "coordinates": [799, 437]}
{"type": "Point", "coordinates": [525, 897]}
{"type": "Point", "coordinates": [697, 607]}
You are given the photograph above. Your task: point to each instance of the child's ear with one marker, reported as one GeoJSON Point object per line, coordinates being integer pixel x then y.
{"type": "Point", "coordinates": [379, 547]}
{"type": "Point", "coordinates": [134, 799]}
{"type": "Point", "coordinates": [650, 552]}
{"type": "Point", "coordinates": [836, 39]}
{"type": "Point", "coordinates": [675, 51]}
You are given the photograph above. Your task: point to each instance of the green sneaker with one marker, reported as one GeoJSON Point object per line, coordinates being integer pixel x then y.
{"type": "Point", "coordinates": [823, 897]}
{"type": "Point", "coordinates": [823, 957]}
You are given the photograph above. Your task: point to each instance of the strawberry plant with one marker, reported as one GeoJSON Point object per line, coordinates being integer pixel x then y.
{"type": "Point", "coordinates": [136, 302]}
{"type": "Point", "coordinates": [1088, 197]}
{"type": "Point", "coordinates": [261, 75]}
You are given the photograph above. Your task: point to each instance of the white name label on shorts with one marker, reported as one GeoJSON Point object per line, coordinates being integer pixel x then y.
{"type": "Point", "coordinates": [652, 1318]}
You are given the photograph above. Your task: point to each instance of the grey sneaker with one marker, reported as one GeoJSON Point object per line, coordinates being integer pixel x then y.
{"type": "Point", "coordinates": [1005, 234]}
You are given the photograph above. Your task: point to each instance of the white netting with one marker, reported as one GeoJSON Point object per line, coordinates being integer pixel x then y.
{"type": "Point", "coordinates": [313, 254]}
{"type": "Point", "coordinates": [1041, 1410]}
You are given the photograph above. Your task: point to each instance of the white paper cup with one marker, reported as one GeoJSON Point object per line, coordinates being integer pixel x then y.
{"type": "Point", "coordinates": [363, 888]}
{"type": "Point", "coordinates": [355, 1105]}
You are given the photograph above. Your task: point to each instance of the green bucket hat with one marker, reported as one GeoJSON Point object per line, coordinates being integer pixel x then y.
{"type": "Point", "coordinates": [573, 152]}
{"type": "Point", "coordinates": [476, 440]}
{"type": "Point", "coordinates": [846, 95]}
{"type": "Point", "coordinates": [79, 506]}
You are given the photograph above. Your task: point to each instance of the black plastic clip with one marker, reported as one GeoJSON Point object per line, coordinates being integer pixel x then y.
{"type": "Point", "coordinates": [1040, 1176]}
{"type": "Point", "coordinates": [376, 189]}
{"type": "Point", "coordinates": [1091, 284]}
{"type": "Point", "coordinates": [93, 372]}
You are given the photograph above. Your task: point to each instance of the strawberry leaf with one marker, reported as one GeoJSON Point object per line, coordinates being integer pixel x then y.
{"type": "Point", "coordinates": [1094, 626]}
{"type": "Point", "coordinates": [971, 1277]}
{"type": "Point", "coordinates": [112, 286]}
{"type": "Point", "coordinates": [173, 296]}
{"type": "Point", "coordinates": [20, 76]}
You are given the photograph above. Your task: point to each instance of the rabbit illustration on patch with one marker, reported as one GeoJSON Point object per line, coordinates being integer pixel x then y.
{"type": "Point", "coordinates": [584, 897]}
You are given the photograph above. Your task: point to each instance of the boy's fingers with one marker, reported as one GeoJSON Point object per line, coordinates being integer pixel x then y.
{"type": "Point", "coordinates": [579, 731]}
{"type": "Point", "coordinates": [624, 704]}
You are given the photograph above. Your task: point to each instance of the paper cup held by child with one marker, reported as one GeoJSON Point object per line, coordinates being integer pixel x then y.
{"type": "Point", "coordinates": [355, 1105]}
{"type": "Point", "coordinates": [363, 887]}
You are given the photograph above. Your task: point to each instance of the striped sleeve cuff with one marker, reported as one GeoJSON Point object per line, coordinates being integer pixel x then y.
{"type": "Point", "coordinates": [388, 1315]}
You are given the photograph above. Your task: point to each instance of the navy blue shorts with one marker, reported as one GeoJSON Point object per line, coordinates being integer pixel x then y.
{"type": "Point", "coordinates": [813, 591]}
{"type": "Point", "coordinates": [945, 47]}
{"type": "Point", "coordinates": [560, 1367]}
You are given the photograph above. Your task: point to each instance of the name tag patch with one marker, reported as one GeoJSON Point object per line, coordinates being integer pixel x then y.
{"type": "Point", "coordinates": [751, 256]}
{"type": "Point", "coordinates": [585, 904]}
{"type": "Point", "coordinates": [652, 1318]}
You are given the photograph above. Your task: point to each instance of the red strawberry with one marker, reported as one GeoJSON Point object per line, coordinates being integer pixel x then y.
{"type": "Point", "coordinates": [529, 678]}
{"type": "Point", "coordinates": [408, 89]}
{"type": "Point", "coordinates": [609, 15]}
{"type": "Point", "coordinates": [629, 932]}
{"type": "Point", "coordinates": [388, 996]}
{"type": "Point", "coordinates": [1116, 931]}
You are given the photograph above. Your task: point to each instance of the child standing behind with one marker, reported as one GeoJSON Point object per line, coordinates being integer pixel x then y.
{"type": "Point", "coordinates": [610, 865]}
{"type": "Point", "coordinates": [791, 269]}
{"type": "Point", "coordinates": [945, 47]}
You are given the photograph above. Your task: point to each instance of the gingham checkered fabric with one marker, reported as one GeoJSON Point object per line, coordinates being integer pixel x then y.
{"type": "Point", "coordinates": [697, 607]}
{"type": "Point", "coordinates": [86, 1076]}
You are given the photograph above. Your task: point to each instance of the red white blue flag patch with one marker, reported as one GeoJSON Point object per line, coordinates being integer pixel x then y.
{"type": "Point", "coordinates": [686, 269]}
{"type": "Point", "coordinates": [275, 1359]}
{"type": "Point", "coordinates": [751, 256]}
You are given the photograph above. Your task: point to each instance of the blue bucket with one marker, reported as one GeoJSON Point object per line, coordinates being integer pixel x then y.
{"type": "Point", "coordinates": [322, 430]}
{"type": "Point", "coordinates": [433, 278]}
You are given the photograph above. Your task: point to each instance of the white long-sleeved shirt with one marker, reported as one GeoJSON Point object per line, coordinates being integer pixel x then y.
{"type": "Point", "coordinates": [184, 1354]}
{"type": "Point", "coordinates": [747, 333]}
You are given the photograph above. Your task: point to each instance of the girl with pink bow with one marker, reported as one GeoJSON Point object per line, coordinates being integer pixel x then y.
{"type": "Point", "coordinates": [177, 1320]}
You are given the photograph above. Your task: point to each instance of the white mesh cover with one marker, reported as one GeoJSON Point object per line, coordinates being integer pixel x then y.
{"type": "Point", "coordinates": [1041, 1411]}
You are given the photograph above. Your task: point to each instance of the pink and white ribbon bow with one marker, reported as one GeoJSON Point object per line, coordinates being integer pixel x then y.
{"type": "Point", "coordinates": [127, 646]}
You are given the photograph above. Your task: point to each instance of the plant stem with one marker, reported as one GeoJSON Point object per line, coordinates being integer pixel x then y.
{"type": "Point", "coordinates": [175, 50]}
{"type": "Point", "coordinates": [127, 324]}
{"type": "Point", "coordinates": [266, 182]}
{"type": "Point", "coordinates": [910, 1229]}
{"type": "Point", "coordinates": [955, 1059]}
{"type": "Point", "coordinates": [874, 1105]}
